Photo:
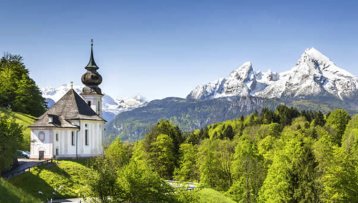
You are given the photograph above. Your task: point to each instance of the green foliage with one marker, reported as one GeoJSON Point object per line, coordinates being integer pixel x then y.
{"type": "Point", "coordinates": [248, 170]}
{"type": "Point", "coordinates": [167, 128]}
{"type": "Point", "coordinates": [18, 91]}
{"type": "Point", "coordinates": [209, 195]}
{"type": "Point", "coordinates": [103, 184]}
{"type": "Point", "coordinates": [9, 193]}
{"type": "Point", "coordinates": [10, 139]}
{"type": "Point", "coordinates": [291, 177]}
{"type": "Point", "coordinates": [118, 153]}
{"type": "Point", "coordinates": [215, 158]}
{"type": "Point", "coordinates": [188, 170]}
{"type": "Point", "coordinates": [337, 120]}
{"type": "Point", "coordinates": [339, 177]}
{"type": "Point", "coordinates": [137, 183]}
{"type": "Point", "coordinates": [160, 148]}
{"type": "Point", "coordinates": [162, 156]}
{"type": "Point", "coordinates": [284, 155]}
{"type": "Point", "coordinates": [24, 120]}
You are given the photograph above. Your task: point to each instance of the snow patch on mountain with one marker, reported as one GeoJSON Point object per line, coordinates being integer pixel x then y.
{"type": "Point", "coordinates": [110, 106]}
{"type": "Point", "coordinates": [313, 75]}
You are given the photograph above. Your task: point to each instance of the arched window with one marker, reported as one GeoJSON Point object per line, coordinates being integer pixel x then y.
{"type": "Point", "coordinates": [89, 103]}
{"type": "Point", "coordinates": [41, 136]}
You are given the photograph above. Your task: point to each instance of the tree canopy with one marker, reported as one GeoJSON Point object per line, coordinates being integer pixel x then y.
{"type": "Point", "coordinates": [285, 155]}
{"type": "Point", "coordinates": [18, 91]}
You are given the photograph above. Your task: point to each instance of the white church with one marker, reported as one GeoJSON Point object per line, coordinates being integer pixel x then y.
{"type": "Point", "coordinates": [73, 127]}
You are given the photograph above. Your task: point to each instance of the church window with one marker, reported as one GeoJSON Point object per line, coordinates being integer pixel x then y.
{"type": "Point", "coordinates": [42, 136]}
{"type": "Point", "coordinates": [56, 136]}
{"type": "Point", "coordinates": [73, 138]}
{"type": "Point", "coordinates": [98, 108]}
{"type": "Point", "coordinates": [57, 152]}
{"type": "Point", "coordinates": [86, 137]}
{"type": "Point", "coordinates": [89, 103]}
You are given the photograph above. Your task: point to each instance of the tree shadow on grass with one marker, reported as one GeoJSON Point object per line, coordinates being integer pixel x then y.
{"type": "Point", "coordinates": [7, 195]}
{"type": "Point", "coordinates": [34, 185]}
{"type": "Point", "coordinates": [54, 168]}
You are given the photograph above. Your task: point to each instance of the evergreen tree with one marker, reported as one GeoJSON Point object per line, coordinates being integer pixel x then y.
{"type": "Point", "coordinates": [167, 128]}
{"type": "Point", "coordinates": [337, 120]}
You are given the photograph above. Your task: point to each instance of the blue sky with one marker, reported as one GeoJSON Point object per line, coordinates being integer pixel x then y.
{"type": "Point", "coordinates": [161, 48]}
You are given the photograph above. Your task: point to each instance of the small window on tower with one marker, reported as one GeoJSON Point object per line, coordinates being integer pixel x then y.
{"type": "Point", "coordinates": [56, 136]}
{"type": "Point", "coordinates": [89, 103]}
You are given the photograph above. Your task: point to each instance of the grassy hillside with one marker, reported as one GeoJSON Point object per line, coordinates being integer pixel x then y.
{"type": "Point", "coordinates": [209, 195]}
{"type": "Point", "coordinates": [9, 193]}
{"type": "Point", "coordinates": [25, 120]}
{"type": "Point", "coordinates": [64, 179]}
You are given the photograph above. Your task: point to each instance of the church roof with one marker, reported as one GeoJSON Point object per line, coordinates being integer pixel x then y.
{"type": "Point", "coordinates": [70, 107]}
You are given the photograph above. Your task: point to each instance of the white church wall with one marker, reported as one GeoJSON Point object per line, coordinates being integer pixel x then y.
{"type": "Point", "coordinates": [94, 143]}
{"type": "Point", "coordinates": [41, 140]}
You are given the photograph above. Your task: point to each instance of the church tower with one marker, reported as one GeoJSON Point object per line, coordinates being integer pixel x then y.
{"type": "Point", "coordinates": [91, 93]}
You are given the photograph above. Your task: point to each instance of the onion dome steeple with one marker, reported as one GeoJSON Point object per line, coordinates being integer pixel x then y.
{"type": "Point", "coordinates": [91, 78]}
{"type": "Point", "coordinates": [92, 64]}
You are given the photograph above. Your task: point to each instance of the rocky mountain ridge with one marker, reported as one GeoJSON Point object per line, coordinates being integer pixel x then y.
{"type": "Point", "coordinates": [314, 74]}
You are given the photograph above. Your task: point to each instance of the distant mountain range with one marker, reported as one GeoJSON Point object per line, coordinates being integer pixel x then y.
{"type": "Point", "coordinates": [314, 83]}
{"type": "Point", "coordinates": [313, 75]}
{"type": "Point", "coordinates": [111, 107]}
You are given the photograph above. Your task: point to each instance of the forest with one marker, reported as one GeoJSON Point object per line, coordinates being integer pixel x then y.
{"type": "Point", "coordinates": [283, 155]}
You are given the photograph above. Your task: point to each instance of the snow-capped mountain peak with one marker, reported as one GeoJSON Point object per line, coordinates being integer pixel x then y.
{"type": "Point", "coordinates": [239, 82]}
{"type": "Point", "coordinates": [244, 72]}
{"type": "Point", "coordinates": [313, 75]}
{"type": "Point", "coordinates": [110, 106]}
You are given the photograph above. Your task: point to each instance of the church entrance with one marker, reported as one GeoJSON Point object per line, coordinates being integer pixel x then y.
{"type": "Point", "coordinates": [41, 155]}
